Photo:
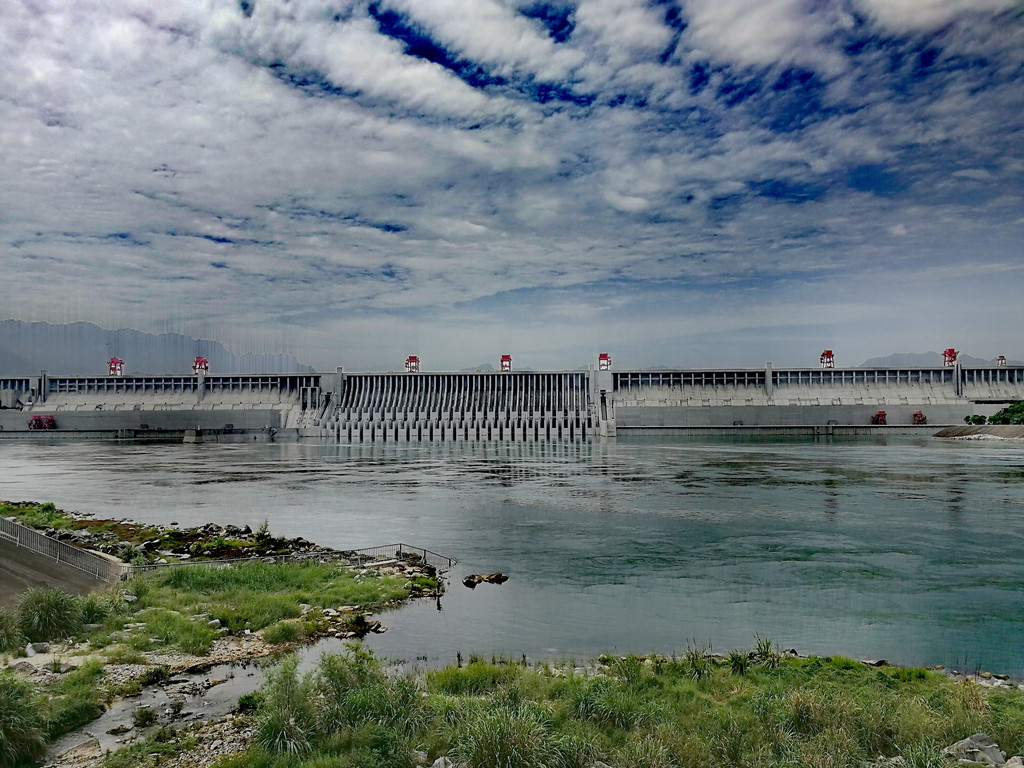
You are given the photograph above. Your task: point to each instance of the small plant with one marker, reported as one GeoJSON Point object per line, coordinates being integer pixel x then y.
{"type": "Point", "coordinates": [697, 662]}
{"type": "Point", "coordinates": [48, 614]}
{"type": "Point", "coordinates": [263, 532]}
{"type": "Point", "coordinates": [249, 702]}
{"type": "Point", "coordinates": [143, 716]}
{"type": "Point", "coordinates": [765, 653]}
{"type": "Point", "coordinates": [739, 661]}
{"type": "Point", "coordinates": [286, 631]}
{"type": "Point", "coordinates": [165, 734]}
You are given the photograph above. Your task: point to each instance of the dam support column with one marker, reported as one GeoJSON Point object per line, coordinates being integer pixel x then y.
{"type": "Point", "coordinates": [44, 385]}
{"type": "Point", "coordinates": [602, 400]}
{"type": "Point", "coordinates": [769, 383]}
{"type": "Point", "coordinates": [200, 385]}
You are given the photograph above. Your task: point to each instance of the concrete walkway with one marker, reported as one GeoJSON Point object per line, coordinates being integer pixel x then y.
{"type": "Point", "coordinates": [20, 569]}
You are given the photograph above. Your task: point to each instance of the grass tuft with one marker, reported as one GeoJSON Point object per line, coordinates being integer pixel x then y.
{"type": "Point", "coordinates": [46, 614]}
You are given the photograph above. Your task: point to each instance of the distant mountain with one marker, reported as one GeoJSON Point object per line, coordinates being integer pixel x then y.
{"type": "Point", "coordinates": [921, 360]}
{"type": "Point", "coordinates": [481, 367]}
{"type": "Point", "coordinates": [84, 349]}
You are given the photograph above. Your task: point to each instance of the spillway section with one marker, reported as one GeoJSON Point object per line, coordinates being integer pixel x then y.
{"type": "Point", "coordinates": [384, 407]}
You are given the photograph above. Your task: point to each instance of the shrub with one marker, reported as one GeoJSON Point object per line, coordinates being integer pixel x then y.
{"type": "Point", "coordinates": [286, 723]}
{"type": "Point", "coordinates": [352, 690]}
{"type": "Point", "coordinates": [475, 678]}
{"type": "Point", "coordinates": [507, 736]}
{"type": "Point", "coordinates": [21, 733]}
{"type": "Point", "coordinates": [643, 752]}
{"type": "Point", "coordinates": [697, 663]}
{"type": "Point", "coordinates": [97, 607]}
{"type": "Point", "coordinates": [738, 662]}
{"type": "Point", "coordinates": [10, 634]}
{"type": "Point", "coordinates": [286, 631]}
{"type": "Point", "coordinates": [48, 614]}
{"type": "Point", "coordinates": [143, 716]}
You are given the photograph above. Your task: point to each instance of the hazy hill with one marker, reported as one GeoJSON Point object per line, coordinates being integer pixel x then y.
{"type": "Point", "coordinates": [84, 349]}
{"type": "Point", "coordinates": [921, 360]}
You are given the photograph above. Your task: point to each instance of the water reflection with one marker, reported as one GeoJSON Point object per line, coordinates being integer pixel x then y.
{"type": "Point", "coordinates": [911, 550]}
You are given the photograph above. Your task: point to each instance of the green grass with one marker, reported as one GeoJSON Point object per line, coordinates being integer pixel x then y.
{"type": "Point", "coordinates": [37, 515]}
{"type": "Point", "coordinates": [769, 711]}
{"type": "Point", "coordinates": [11, 638]}
{"type": "Point", "coordinates": [21, 728]}
{"type": "Point", "coordinates": [256, 595]}
{"type": "Point", "coordinates": [75, 699]}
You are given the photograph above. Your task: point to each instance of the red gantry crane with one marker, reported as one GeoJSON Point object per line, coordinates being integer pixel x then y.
{"type": "Point", "coordinates": [828, 360]}
{"type": "Point", "coordinates": [949, 357]}
{"type": "Point", "coordinates": [1001, 361]}
{"type": "Point", "coordinates": [604, 362]}
{"type": "Point", "coordinates": [201, 364]}
{"type": "Point", "coordinates": [115, 367]}
{"type": "Point", "coordinates": [412, 364]}
{"type": "Point", "coordinates": [506, 363]}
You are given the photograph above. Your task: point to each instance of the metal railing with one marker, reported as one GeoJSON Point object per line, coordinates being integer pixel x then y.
{"type": "Point", "coordinates": [367, 556]}
{"type": "Point", "coordinates": [84, 560]}
{"type": "Point", "coordinates": [112, 571]}
{"type": "Point", "coordinates": [405, 552]}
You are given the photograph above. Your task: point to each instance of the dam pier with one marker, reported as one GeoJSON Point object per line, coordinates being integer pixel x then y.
{"type": "Point", "coordinates": [504, 405]}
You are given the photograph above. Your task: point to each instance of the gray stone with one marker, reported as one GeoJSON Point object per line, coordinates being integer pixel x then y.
{"type": "Point", "coordinates": [213, 623]}
{"type": "Point", "coordinates": [1014, 762]}
{"type": "Point", "coordinates": [24, 668]}
{"type": "Point", "coordinates": [90, 627]}
{"type": "Point", "coordinates": [978, 748]}
{"type": "Point", "coordinates": [420, 757]}
{"type": "Point", "coordinates": [442, 762]}
{"type": "Point", "coordinates": [33, 648]}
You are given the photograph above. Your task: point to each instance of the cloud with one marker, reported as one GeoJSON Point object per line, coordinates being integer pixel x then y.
{"type": "Point", "coordinates": [925, 15]}
{"type": "Point", "coordinates": [305, 167]}
{"type": "Point", "coordinates": [493, 34]}
{"type": "Point", "coordinates": [764, 32]}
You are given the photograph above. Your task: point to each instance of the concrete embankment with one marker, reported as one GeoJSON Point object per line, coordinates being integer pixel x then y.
{"type": "Point", "coordinates": [1005, 431]}
{"type": "Point", "coordinates": [21, 569]}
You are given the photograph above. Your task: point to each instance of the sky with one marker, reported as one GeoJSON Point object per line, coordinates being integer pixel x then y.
{"type": "Point", "coordinates": [681, 183]}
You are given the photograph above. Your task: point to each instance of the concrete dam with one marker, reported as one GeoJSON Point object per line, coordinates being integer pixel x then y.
{"type": "Point", "coordinates": [508, 405]}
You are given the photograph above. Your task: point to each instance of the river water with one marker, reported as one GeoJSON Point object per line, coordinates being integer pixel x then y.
{"type": "Point", "coordinates": [899, 548]}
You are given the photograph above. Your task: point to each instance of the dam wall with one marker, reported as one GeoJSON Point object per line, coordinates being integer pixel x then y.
{"type": "Point", "coordinates": [509, 406]}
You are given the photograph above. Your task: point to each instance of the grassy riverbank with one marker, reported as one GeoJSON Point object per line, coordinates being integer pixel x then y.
{"type": "Point", "coordinates": [752, 709]}
{"type": "Point", "coordinates": [168, 618]}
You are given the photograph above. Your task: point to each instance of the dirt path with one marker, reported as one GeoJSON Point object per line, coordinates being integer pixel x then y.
{"type": "Point", "coordinates": [20, 569]}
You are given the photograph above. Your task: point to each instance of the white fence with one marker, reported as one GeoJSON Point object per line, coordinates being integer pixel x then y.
{"type": "Point", "coordinates": [61, 552]}
{"type": "Point", "coordinates": [113, 572]}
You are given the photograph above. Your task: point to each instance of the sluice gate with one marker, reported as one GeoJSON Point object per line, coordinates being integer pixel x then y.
{"type": "Point", "coordinates": [392, 407]}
